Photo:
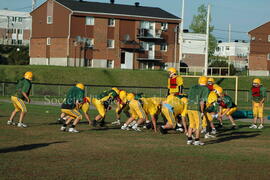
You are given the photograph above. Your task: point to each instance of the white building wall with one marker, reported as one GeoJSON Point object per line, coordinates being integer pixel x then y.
{"type": "Point", "coordinates": [232, 49]}
{"type": "Point", "coordinates": [194, 43]}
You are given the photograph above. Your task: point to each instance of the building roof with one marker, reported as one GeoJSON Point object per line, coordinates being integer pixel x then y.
{"type": "Point", "coordinates": [116, 9]}
{"type": "Point", "coordinates": [258, 27]}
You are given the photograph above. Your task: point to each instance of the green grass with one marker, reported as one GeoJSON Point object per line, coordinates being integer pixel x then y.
{"type": "Point", "coordinates": [43, 152]}
{"type": "Point", "coordinates": [113, 77]}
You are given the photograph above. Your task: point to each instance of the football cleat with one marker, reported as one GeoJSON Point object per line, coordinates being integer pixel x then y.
{"type": "Point", "coordinates": [203, 130]}
{"type": "Point", "coordinates": [136, 128]}
{"type": "Point", "coordinates": [11, 123]}
{"type": "Point", "coordinates": [63, 128]}
{"type": "Point", "coordinates": [260, 126]}
{"type": "Point", "coordinates": [72, 130]}
{"type": "Point", "coordinates": [94, 123]}
{"type": "Point", "coordinates": [162, 130]}
{"type": "Point", "coordinates": [253, 126]}
{"type": "Point", "coordinates": [207, 136]}
{"type": "Point", "coordinates": [189, 142]}
{"type": "Point", "coordinates": [117, 123]}
{"type": "Point", "coordinates": [21, 125]}
{"type": "Point", "coordinates": [125, 128]}
{"type": "Point", "coordinates": [213, 132]}
{"type": "Point", "coordinates": [198, 143]}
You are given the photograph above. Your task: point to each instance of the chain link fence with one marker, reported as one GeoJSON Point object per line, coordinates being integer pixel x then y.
{"type": "Point", "coordinates": [45, 92]}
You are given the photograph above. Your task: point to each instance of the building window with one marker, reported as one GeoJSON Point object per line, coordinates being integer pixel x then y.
{"type": "Point", "coordinates": [253, 38]}
{"type": "Point", "coordinates": [14, 19]}
{"type": "Point", "coordinates": [110, 63]}
{"type": "Point", "coordinates": [144, 46]}
{"type": "Point", "coordinates": [48, 41]}
{"type": "Point", "coordinates": [89, 43]}
{"type": "Point", "coordinates": [20, 42]}
{"type": "Point", "coordinates": [217, 49]}
{"type": "Point", "coordinates": [90, 20]}
{"type": "Point", "coordinates": [110, 43]}
{"type": "Point", "coordinates": [164, 26]}
{"type": "Point", "coordinates": [268, 56]}
{"type": "Point", "coordinates": [13, 41]}
{"type": "Point", "coordinates": [14, 31]}
{"type": "Point", "coordinates": [268, 38]}
{"type": "Point", "coordinates": [163, 47]}
{"type": "Point", "coordinates": [20, 31]}
{"type": "Point", "coordinates": [49, 20]}
{"type": "Point", "coordinates": [111, 22]}
{"type": "Point", "coordinates": [19, 19]}
{"type": "Point", "coordinates": [227, 48]}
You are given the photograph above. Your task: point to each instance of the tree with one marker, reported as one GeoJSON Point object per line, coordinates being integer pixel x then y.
{"type": "Point", "coordinates": [198, 25]}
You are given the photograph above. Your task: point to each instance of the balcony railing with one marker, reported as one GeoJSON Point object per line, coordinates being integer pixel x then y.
{"type": "Point", "coordinates": [158, 56]}
{"type": "Point", "coordinates": [130, 45]}
{"type": "Point", "coordinates": [147, 34]}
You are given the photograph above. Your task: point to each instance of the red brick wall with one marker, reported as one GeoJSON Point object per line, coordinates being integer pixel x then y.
{"type": "Point", "coordinates": [259, 48]}
{"type": "Point", "coordinates": [194, 59]}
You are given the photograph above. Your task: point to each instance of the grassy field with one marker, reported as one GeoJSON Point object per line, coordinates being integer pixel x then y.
{"type": "Point", "coordinates": [114, 77]}
{"type": "Point", "coordinates": [43, 152]}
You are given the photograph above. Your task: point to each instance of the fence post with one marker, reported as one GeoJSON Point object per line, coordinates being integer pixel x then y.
{"type": "Point", "coordinates": [32, 89]}
{"type": "Point", "coordinates": [59, 90]}
{"type": "Point", "coordinates": [85, 91]}
{"type": "Point", "coordinates": [247, 96]}
{"type": "Point", "coordinates": [3, 91]}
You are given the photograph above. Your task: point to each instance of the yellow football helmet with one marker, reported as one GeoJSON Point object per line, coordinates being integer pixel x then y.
{"type": "Point", "coordinates": [80, 86]}
{"type": "Point", "coordinates": [211, 80]}
{"type": "Point", "coordinates": [172, 70]}
{"type": "Point", "coordinates": [203, 80]}
{"type": "Point", "coordinates": [123, 96]}
{"type": "Point", "coordinates": [130, 96]}
{"type": "Point", "coordinates": [256, 81]}
{"type": "Point", "coordinates": [28, 75]}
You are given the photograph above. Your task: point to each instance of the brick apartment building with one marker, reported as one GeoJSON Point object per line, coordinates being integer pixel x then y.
{"type": "Point", "coordinates": [15, 27]}
{"type": "Point", "coordinates": [259, 57]}
{"type": "Point", "coordinates": [109, 35]}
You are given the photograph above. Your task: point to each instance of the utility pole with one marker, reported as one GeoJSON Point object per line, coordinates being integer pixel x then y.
{"type": "Point", "coordinates": [33, 4]}
{"type": "Point", "coordinates": [207, 41]}
{"type": "Point", "coordinates": [230, 30]}
{"type": "Point", "coordinates": [181, 36]}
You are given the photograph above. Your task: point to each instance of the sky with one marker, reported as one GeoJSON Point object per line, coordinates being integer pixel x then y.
{"type": "Point", "coordinates": [243, 15]}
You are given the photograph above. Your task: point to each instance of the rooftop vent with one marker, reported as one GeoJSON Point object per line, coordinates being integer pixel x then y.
{"type": "Point", "coordinates": [137, 4]}
{"type": "Point", "coordinates": [112, 1]}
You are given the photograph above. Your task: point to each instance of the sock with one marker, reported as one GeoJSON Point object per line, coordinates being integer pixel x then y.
{"type": "Point", "coordinates": [72, 126]}
{"type": "Point", "coordinates": [213, 129]}
{"type": "Point", "coordinates": [189, 138]}
{"type": "Point", "coordinates": [64, 125]}
{"type": "Point", "coordinates": [125, 125]}
{"type": "Point", "coordinates": [197, 139]}
{"type": "Point", "coordinates": [147, 121]}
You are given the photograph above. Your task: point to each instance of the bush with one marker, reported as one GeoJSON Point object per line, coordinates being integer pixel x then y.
{"type": "Point", "coordinates": [14, 55]}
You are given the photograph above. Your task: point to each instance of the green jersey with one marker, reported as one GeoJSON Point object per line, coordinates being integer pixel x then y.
{"type": "Point", "coordinates": [212, 108]}
{"type": "Point", "coordinates": [74, 94]}
{"type": "Point", "coordinates": [23, 85]}
{"type": "Point", "coordinates": [196, 95]}
{"type": "Point", "coordinates": [258, 93]}
{"type": "Point", "coordinates": [107, 96]}
{"type": "Point", "coordinates": [227, 102]}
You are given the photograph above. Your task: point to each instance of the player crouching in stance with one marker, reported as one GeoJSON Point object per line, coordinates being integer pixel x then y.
{"type": "Point", "coordinates": [70, 107]}
{"type": "Point", "coordinates": [175, 82]}
{"type": "Point", "coordinates": [84, 107]}
{"type": "Point", "coordinates": [197, 97]}
{"type": "Point", "coordinates": [102, 103]}
{"type": "Point", "coordinates": [23, 89]}
{"type": "Point", "coordinates": [211, 112]}
{"type": "Point", "coordinates": [172, 107]}
{"type": "Point", "coordinates": [136, 113]}
{"type": "Point", "coordinates": [258, 96]}
{"type": "Point", "coordinates": [121, 102]}
{"type": "Point", "coordinates": [226, 107]}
